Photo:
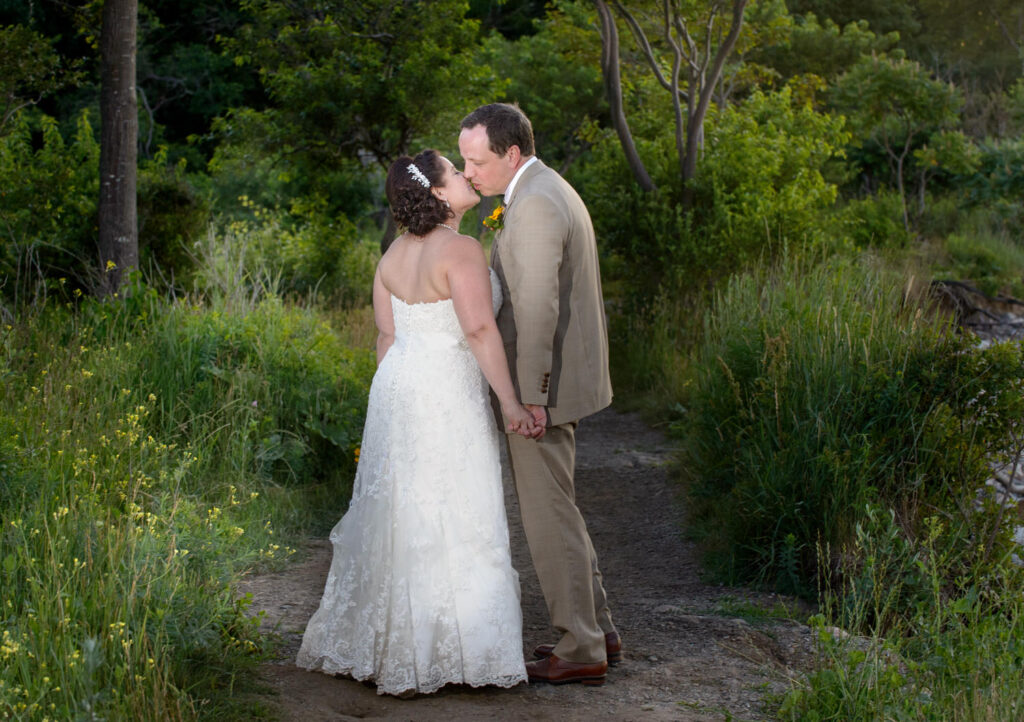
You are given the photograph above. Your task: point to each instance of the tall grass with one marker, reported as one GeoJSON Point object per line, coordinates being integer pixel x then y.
{"type": "Point", "coordinates": [650, 357]}
{"type": "Point", "coordinates": [150, 453]}
{"type": "Point", "coordinates": [821, 390]}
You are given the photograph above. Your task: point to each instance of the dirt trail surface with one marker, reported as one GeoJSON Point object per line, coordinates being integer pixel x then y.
{"type": "Point", "coordinates": [692, 651]}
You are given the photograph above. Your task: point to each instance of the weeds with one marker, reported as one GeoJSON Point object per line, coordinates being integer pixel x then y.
{"type": "Point", "coordinates": [150, 453]}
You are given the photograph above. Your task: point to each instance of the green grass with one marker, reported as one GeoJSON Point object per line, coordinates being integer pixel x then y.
{"type": "Point", "coordinates": [738, 608]}
{"type": "Point", "coordinates": [150, 453]}
{"type": "Point", "coordinates": [957, 654]}
{"type": "Point", "coordinates": [993, 261]}
{"type": "Point", "coordinates": [818, 390]}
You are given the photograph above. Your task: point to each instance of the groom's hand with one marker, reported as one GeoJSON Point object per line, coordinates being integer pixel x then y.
{"type": "Point", "coordinates": [540, 419]}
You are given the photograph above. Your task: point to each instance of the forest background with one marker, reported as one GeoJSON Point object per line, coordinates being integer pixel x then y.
{"type": "Point", "coordinates": [774, 186]}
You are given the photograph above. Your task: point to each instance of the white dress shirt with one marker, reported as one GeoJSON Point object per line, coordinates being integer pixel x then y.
{"type": "Point", "coordinates": [512, 183]}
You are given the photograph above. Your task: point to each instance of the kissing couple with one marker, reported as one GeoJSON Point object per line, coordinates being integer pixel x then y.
{"type": "Point", "coordinates": [421, 592]}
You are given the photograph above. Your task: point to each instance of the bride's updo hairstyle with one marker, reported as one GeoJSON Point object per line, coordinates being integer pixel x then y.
{"type": "Point", "coordinates": [408, 189]}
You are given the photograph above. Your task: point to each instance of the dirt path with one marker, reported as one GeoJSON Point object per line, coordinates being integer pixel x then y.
{"type": "Point", "coordinates": [692, 651]}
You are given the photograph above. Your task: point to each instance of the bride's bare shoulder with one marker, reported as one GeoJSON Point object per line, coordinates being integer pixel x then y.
{"type": "Point", "coordinates": [457, 244]}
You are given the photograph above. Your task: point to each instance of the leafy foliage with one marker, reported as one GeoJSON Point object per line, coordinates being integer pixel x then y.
{"type": "Point", "coordinates": [30, 70]}
{"type": "Point", "coordinates": [897, 106]}
{"type": "Point", "coordinates": [185, 79]}
{"type": "Point", "coordinates": [49, 194]}
{"type": "Point", "coordinates": [554, 75]}
{"type": "Point", "coordinates": [764, 179]}
{"type": "Point", "coordinates": [173, 215]}
{"type": "Point", "coordinates": [763, 186]}
{"type": "Point", "coordinates": [997, 182]}
{"type": "Point", "coordinates": [875, 221]}
{"type": "Point", "coordinates": [50, 189]}
{"type": "Point", "coordinates": [824, 49]}
{"type": "Point", "coordinates": [347, 80]}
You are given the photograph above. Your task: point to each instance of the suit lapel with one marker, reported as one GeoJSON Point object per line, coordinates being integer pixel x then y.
{"type": "Point", "coordinates": [536, 167]}
{"type": "Point", "coordinates": [528, 175]}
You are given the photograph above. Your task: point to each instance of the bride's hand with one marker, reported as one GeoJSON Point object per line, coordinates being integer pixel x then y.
{"type": "Point", "coordinates": [522, 421]}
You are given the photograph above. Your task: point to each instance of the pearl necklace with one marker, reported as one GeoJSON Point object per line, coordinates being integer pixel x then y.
{"type": "Point", "coordinates": [456, 230]}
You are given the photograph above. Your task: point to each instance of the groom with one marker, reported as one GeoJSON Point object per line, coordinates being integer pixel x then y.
{"type": "Point", "coordinates": [553, 324]}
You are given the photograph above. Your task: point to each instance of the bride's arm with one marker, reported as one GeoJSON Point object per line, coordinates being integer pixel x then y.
{"type": "Point", "coordinates": [470, 286]}
{"type": "Point", "coordinates": [382, 316]}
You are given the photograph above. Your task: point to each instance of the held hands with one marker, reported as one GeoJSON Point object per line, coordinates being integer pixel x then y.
{"type": "Point", "coordinates": [540, 417]}
{"type": "Point", "coordinates": [524, 422]}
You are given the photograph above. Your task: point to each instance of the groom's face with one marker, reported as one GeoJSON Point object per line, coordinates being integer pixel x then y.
{"type": "Point", "coordinates": [489, 172]}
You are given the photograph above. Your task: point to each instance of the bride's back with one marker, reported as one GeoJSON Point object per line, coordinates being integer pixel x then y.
{"type": "Point", "coordinates": [415, 269]}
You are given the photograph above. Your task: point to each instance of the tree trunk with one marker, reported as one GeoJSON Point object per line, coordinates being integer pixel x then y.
{"type": "Point", "coordinates": [902, 192]}
{"type": "Point", "coordinates": [613, 88]}
{"type": "Point", "coordinates": [695, 123]}
{"type": "Point", "coordinates": [119, 130]}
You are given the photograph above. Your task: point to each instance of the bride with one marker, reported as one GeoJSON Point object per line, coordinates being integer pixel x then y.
{"type": "Point", "coordinates": [421, 592]}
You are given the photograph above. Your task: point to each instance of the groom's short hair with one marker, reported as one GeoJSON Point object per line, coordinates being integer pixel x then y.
{"type": "Point", "coordinates": [506, 126]}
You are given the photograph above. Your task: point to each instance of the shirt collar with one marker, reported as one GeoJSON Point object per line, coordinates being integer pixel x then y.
{"type": "Point", "coordinates": [515, 179]}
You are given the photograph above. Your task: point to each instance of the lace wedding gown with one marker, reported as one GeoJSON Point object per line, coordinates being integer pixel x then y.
{"type": "Point", "coordinates": [421, 591]}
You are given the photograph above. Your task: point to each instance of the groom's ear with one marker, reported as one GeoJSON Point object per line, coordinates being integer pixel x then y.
{"type": "Point", "coordinates": [514, 154]}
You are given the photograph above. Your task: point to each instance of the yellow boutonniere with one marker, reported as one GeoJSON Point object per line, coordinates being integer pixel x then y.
{"type": "Point", "coordinates": [496, 220]}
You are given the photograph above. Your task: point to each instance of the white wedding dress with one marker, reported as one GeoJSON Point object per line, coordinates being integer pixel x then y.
{"type": "Point", "coordinates": [421, 592]}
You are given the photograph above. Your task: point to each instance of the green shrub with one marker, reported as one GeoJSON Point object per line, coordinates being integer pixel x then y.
{"type": "Point", "coordinates": [875, 221]}
{"type": "Point", "coordinates": [943, 215]}
{"type": "Point", "coordinates": [818, 391]}
{"type": "Point", "coordinates": [998, 184]}
{"type": "Point", "coordinates": [48, 201]}
{"type": "Point", "coordinates": [762, 180]}
{"type": "Point", "coordinates": [1000, 173]}
{"type": "Point", "coordinates": [761, 186]}
{"type": "Point", "coordinates": [172, 218]}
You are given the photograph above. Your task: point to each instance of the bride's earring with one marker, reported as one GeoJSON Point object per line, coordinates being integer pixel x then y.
{"type": "Point", "coordinates": [447, 204]}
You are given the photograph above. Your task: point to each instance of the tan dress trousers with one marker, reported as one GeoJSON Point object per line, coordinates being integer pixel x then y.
{"type": "Point", "coordinates": [560, 545]}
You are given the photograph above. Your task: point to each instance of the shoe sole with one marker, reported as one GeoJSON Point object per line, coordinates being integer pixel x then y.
{"type": "Point", "coordinates": [613, 659]}
{"type": "Point", "coordinates": [588, 681]}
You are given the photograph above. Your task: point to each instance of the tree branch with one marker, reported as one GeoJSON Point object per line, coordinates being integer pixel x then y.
{"type": "Point", "coordinates": [10, 113]}
{"type": "Point", "coordinates": [1006, 31]}
{"type": "Point", "coordinates": [645, 47]}
{"type": "Point", "coordinates": [149, 114]}
{"type": "Point", "coordinates": [695, 129]}
{"type": "Point", "coordinates": [613, 88]}
{"type": "Point", "coordinates": [677, 59]}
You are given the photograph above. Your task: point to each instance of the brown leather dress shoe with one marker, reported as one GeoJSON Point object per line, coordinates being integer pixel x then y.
{"type": "Point", "coordinates": [553, 670]}
{"type": "Point", "coordinates": [612, 645]}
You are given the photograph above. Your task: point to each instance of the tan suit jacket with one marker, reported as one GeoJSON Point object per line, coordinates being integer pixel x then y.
{"type": "Point", "coordinates": [552, 319]}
